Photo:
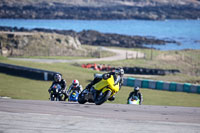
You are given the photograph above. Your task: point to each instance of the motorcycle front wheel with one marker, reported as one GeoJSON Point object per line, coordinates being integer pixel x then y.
{"type": "Point", "coordinates": [57, 99]}
{"type": "Point", "coordinates": [52, 97]}
{"type": "Point", "coordinates": [81, 98]}
{"type": "Point", "coordinates": [102, 98]}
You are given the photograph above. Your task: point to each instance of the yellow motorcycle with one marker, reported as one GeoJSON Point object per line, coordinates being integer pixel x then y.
{"type": "Point", "coordinates": [100, 92]}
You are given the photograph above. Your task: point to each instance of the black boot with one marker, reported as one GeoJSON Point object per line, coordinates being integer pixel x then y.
{"type": "Point", "coordinates": [111, 98]}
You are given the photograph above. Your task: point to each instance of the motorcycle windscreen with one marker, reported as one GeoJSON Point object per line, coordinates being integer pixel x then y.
{"type": "Point", "coordinates": [131, 101]}
{"type": "Point", "coordinates": [136, 102]}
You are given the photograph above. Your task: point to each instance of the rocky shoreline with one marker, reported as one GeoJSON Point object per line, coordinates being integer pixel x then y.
{"type": "Point", "coordinates": [100, 9]}
{"type": "Point", "coordinates": [91, 37]}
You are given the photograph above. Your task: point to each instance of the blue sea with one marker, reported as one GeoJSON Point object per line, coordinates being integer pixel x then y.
{"type": "Point", "coordinates": [187, 32]}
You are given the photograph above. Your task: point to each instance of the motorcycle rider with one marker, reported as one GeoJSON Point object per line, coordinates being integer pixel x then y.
{"type": "Point", "coordinates": [58, 80]}
{"type": "Point", "coordinates": [75, 86]}
{"type": "Point", "coordinates": [136, 93]}
{"type": "Point", "coordinates": [118, 78]}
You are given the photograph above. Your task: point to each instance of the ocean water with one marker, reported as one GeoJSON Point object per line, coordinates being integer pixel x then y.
{"type": "Point", "coordinates": [187, 32]}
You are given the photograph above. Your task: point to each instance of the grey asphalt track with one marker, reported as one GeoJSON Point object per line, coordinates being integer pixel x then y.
{"type": "Point", "coordinates": [34, 116]}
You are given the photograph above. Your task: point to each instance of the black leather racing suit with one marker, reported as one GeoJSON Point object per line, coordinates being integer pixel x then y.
{"type": "Point", "coordinates": [63, 85]}
{"type": "Point", "coordinates": [136, 93]}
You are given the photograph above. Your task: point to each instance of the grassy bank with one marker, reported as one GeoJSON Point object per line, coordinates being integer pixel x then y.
{"type": "Point", "coordinates": [187, 61]}
{"type": "Point", "coordinates": [22, 88]}
{"type": "Point", "coordinates": [87, 52]}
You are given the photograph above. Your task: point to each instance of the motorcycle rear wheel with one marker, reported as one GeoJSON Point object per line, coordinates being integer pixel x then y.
{"type": "Point", "coordinates": [100, 100]}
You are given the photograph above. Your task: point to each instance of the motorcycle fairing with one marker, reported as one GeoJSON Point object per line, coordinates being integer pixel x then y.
{"type": "Point", "coordinates": [108, 84]}
{"type": "Point", "coordinates": [133, 101]}
{"type": "Point", "coordinates": [74, 94]}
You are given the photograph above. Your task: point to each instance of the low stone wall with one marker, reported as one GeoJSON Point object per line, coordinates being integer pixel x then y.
{"type": "Point", "coordinates": [27, 72]}
{"type": "Point", "coordinates": [161, 85]}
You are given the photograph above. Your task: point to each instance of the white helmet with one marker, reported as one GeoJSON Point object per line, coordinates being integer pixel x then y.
{"type": "Point", "coordinates": [75, 83]}
{"type": "Point", "coordinates": [57, 78]}
{"type": "Point", "coordinates": [137, 88]}
{"type": "Point", "coordinates": [119, 71]}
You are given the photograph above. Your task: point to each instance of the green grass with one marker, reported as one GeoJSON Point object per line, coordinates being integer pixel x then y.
{"type": "Point", "coordinates": [22, 88]}
{"type": "Point", "coordinates": [92, 52]}
{"type": "Point", "coordinates": [187, 61]}
{"type": "Point", "coordinates": [157, 97]}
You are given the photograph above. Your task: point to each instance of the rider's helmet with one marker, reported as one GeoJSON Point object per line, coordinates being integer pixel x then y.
{"type": "Point", "coordinates": [136, 88]}
{"type": "Point", "coordinates": [57, 78]}
{"type": "Point", "coordinates": [119, 71]}
{"type": "Point", "coordinates": [75, 83]}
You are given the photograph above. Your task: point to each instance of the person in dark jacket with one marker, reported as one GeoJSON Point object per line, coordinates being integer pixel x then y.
{"type": "Point", "coordinates": [136, 93]}
{"type": "Point", "coordinates": [58, 80]}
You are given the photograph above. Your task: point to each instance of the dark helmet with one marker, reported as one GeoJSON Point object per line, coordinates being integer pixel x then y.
{"type": "Point", "coordinates": [119, 71]}
{"type": "Point", "coordinates": [136, 88]}
{"type": "Point", "coordinates": [57, 78]}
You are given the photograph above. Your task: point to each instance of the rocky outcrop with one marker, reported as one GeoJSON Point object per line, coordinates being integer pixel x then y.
{"type": "Point", "coordinates": [96, 38]}
{"type": "Point", "coordinates": [37, 44]}
{"type": "Point", "coordinates": [91, 37]}
{"type": "Point", "coordinates": [101, 9]}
